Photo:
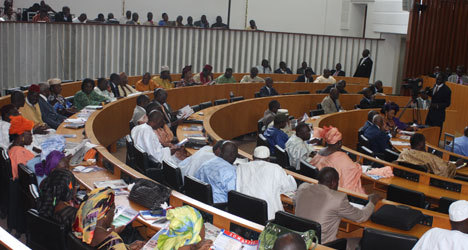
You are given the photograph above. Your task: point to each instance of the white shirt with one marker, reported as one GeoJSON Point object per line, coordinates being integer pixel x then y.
{"type": "Point", "coordinates": [107, 94]}
{"type": "Point", "coordinates": [298, 150]}
{"type": "Point", "coordinates": [443, 239]}
{"type": "Point", "coordinates": [322, 79]}
{"type": "Point", "coordinates": [248, 78]}
{"type": "Point", "coordinates": [76, 20]}
{"type": "Point", "coordinates": [262, 70]}
{"type": "Point", "coordinates": [191, 164]}
{"type": "Point", "coordinates": [4, 134]}
{"type": "Point", "coordinates": [144, 137]}
{"type": "Point", "coordinates": [273, 179]}
{"type": "Point", "coordinates": [437, 87]}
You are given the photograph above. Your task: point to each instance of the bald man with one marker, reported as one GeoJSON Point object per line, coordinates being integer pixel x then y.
{"type": "Point", "coordinates": [379, 140]}
{"type": "Point", "coordinates": [461, 144]}
{"type": "Point", "coordinates": [145, 138]}
{"type": "Point", "coordinates": [290, 241]}
{"type": "Point", "coordinates": [370, 117]}
{"type": "Point", "coordinates": [220, 172]}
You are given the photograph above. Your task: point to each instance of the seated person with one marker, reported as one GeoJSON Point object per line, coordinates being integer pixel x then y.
{"type": "Point", "coordinates": [48, 114]}
{"type": "Point", "coordinates": [370, 117]}
{"type": "Point", "coordinates": [290, 241]}
{"type": "Point", "coordinates": [114, 82]}
{"type": "Point", "coordinates": [297, 147]}
{"type": "Point", "coordinates": [340, 85]}
{"type": "Point", "coordinates": [54, 160]}
{"type": "Point", "coordinates": [86, 96]}
{"type": "Point", "coordinates": [283, 69]}
{"type": "Point", "coordinates": [274, 135]}
{"type": "Point", "coordinates": [93, 223]}
{"type": "Point", "coordinates": [219, 23]}
{"type": "Point", "coordinates": [170, 117]}
{"type": "Point", "coordinates": [186, 230]}
{"type": "Point", "coordinates": [307, 76]}
{"type": "Point", "coordinates": [57, 197]}
{"type": "Point", "coordinates": [21, 136]}
{"type": "Point", "coordinates": [423, 101]}
{"type": "Point", "coordinates": [417, 155]}
{"type": "Point", "coordinates": [205, 77]}
{"type": "Point", "coordinates": [186, 79]}
{"type": "Point", "coordinates": [390, 109]}
{"type": "Point", "coordinates": [220, 172]}
{"type": "Point", "coordinates": [377, 88]}
{"type": "Point", "coordinates": [459, 77]}
{"type": "Point", "coordinates": [164, 79]}
{"type": "Point", "coordinates": [367, 99]}
{"type": "Point", "coordinates": [379, 139]}
{"type": "Point", "coordinates": [332, 156]}
{"type": "Point", "coordinates": [253, 77]}
{"type": "Point", "coordinates": [104, 90]}
{"type": "Point", "coordinates": [331, 103]}
{"type": "Point", "coordinates": [301, 70]}
{"type": "Point", "coordinates": [323, 203]}
{"type": "Point", "coordinates": [31, 109]}
{"type": "Point", "coordinates": [337, 71]}
{"type": "Point", "coordinates": [325, 78]}
{"type": "Point", "coordinates": [144, 137]}
{"type": "Point", "coordinates": [274, 180]}
{"type": "Point", "coordinates": [123, 88]}
{"type": "Point", "coordinates": [441, 239]}
{"type": "Point", "coordinates": [268, 89]}
{"type": "Point", "coordinates": [461, 144]}
{"type": "Point", "coordinates": [269, 114]}
{"type": "Point", "coordinates": [226, 77]}
{"type": "Point", "coordinates": [139, 113]}
{"type": "Point", "coordinates": [265, 67]}
{"type": "Point", "coordinates": [61, 105]}
{"type": "Point", "coordinates": [191, 164]}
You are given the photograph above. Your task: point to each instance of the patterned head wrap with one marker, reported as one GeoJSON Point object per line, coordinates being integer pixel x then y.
{"type": "Point", "coordinates": [97, 205]}
{"type": "Point", "coordinates": [184, 228]}
{"type": "Point", "coordinates": [58, 186]}
{"type": "Point", "coordinates": [331, 135]}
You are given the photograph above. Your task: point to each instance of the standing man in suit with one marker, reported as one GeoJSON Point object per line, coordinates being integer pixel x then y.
{"type": "Point", "coordinates": [113, 83]}
{"type": "Point", "coordinates": [268, 89]}
{"type": "Point", "coordinates": [441, 97]}
{"type": "Point", "coordinates": [337, 71]}
{"type": "Point", "coordinates": [364, 68]}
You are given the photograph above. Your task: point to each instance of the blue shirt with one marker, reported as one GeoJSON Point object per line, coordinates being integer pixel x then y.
{"type": "Point", "coordinates": [461, 146]}
{"type": "Point", "coordinates": [274, 137]}
{"type": "Point", "coordinates": [221, 175]}
{"type": "Point", "coordinates": [162, 23]}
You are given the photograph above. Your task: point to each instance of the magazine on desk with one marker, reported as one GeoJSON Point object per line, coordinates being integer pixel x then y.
{"type": "Point", "coordinates": [123, 216]}
{"type": "Point", "coordinates": [230, 241]}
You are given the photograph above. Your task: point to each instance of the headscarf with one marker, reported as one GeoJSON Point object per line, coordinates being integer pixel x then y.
{"type": "Point", "coordinates": [184, 228]}
{"type": "Point", "coordinates": [208, 67]}
{"type": "Point", "coordinates": [97, 205]}
{"type": "Point", "coordinates": [331, 135]}
{"type": "Point", "coordinates": [51, 162]}
{"type": "Point", "coordinates": [19, 124]}
{"type": "Point", "coordinates": [58, 186]}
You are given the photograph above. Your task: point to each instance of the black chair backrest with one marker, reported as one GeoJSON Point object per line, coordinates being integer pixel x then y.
{"type": "Point", "coordinates": [363, 141]}
{"type": "Point", "coordinates": [221, 101]}
{"type": "Point", "coordinates": [366, 150]}
{"type": "Point", "coordinates": [196, 108]}
{"type": "Point", "coordinates": [131, 125]}
{"type": "Point", "coordinates": [237, 98]}
{"type": "Point", "coordinates": [406, 196]}
{"type": "Point", "coordinates": [172, 176]}
{"type": "Point", "coordinates": [141, 159]}
{"type": "Point", "coordinates": [205, 105]}
{"type": "Point", "coordinates": [247, 207]}
{"type": "Point", "coordinates": [146, 166]}
{"type": "Point", "coordinates": [262, 141]}
{"type": "Point", "coordinates": [5, 172]}
{"type": "Point", "coordinates": [435, 152]}
{"type": "Point", "coordinates": [257, 95]}
{"type": "Point", "coordinates": [308, 170]}
{"type": "Point", "coordinates": [412, 166]}
{"type": "Point", "coordinates": [299, 224]}
{"type": "Point", "coordinates": [390, 155]}
{"type": "Point", "coordinates": [317, 112]}
{"type": "Point", "coordinates": [198, 190]}
{"type": "Point", "coordinates": [376, 239]}
{"type": "Point", "coordinates": [304, 92]}
{"type": "Point", "coordinates": [282, 157]}
{"type": "Point", "coordinates": [260, 127]}
{"type": "Point", "coordinates": [26, 178]}
{"type": "Point", "coordinates": [43, 233]}
{"type": "Point", "coordinates": [450, 142]}
{"type": "Point", "coordinates": [130, 157]}
{"type": "Point", "coordinates": [319, 106]}
{"type": "Point", "coordinates": [76, 244]}
{"type": "Point", "coordinates": [444, 204]}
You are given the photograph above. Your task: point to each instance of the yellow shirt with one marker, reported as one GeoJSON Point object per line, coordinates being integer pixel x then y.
{"type": "Point", "coordinates": [32, 113]}
{"type": "Point", "coordinates": [163, 83]}
{"type": "Point", "coordinates": [140, 86]}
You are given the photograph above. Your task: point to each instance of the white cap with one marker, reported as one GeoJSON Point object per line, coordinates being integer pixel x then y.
{"type": "Point", "coordinates": [458, 211]}
{"type": "Point", "coordinates": [282, 111]}
{"type": "Point", "coordinates": [262, 152]}
{"type": "Point", "coordinates": [164, 68]}
{"type": "Point", "coordinates": [54, 81]}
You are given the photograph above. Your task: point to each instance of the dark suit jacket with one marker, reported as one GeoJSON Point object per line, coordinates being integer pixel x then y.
{"type": "Point", "coordinates": [365, 103]}
{"type": "Point", "coordinates": [341, 73]}
{"type": "Point", "coordinates": [378, 140]}
{"type": "Point", "coordinates": [49, 115]}
{"type": "Point", "coordinates": [199, 24]}
{"type": "Point", "coordinates": [114, 89]}
{"type": "Point", "coordinates": [61, 18]}
{"type": "Point", "coordinates": [441, 98]}
{"type": "Point", "coordinates": [302, 78]}
{"type": "Point", "coordinates": [373, 89]}
{"type": "Point", "coordinates": [278, 71]}
{"type": "Point", "coordinates": [264, 92]}
{"type": "Point", "coordinates": [300, 71]}
{"type": "Point", "coordinates": [329, 87]}
{"type": "Point", "coordinates": [364, 69]}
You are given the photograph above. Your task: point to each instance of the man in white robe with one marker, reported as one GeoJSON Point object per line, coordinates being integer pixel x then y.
{"type": "Point", "coordinates": [264, 180]}
{"type": "Point", "coordinates": [297, 147]}
{"type": "Point", "coordinates": [191, 164]}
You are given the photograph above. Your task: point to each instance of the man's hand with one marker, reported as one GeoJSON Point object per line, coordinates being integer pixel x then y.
{"type": "Point", "coordinates": [40, 129]}
{"type": "Point", "coordinates": [203, 245]}
{"type": "Point", "coordinates": [174, 149]}
{"type": "Point", "coordinates": [374, 198]}
{"type": "Point", "coordinates": [136, 245]}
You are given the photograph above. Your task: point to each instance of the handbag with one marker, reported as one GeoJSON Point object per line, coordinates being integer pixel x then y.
{"type": "Point", "coordinates": [401, 217]}
{"type": "Point", "coordinates": [273, 231]}
{"type": "Point", "coordinates": [149, 194]}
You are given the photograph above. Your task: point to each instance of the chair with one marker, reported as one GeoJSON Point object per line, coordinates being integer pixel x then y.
{"type": "Point", "coordinates": [220, 101]}
{"type": "Point", "coordinates": [205, 105]}
{"type": "Point", "coordinates": [363, 141]}
{"type": "Point", "coordinates": [257, 95]}
{"type": "Point", "coordinates": [26, 179]}
{"type": "Point", "coordinates": [237, 98]}
{"type": "Point", "coordinates": [196, 108]}
{"type": "Point", "coordinates": [282, 157]}
{"type": "Point", "coordinates": [319, 106]}
{"type": "Point", "coordinates": [461, 178]}
{"type": "Point", "coordinates": [146, 166]}
{"type": "Point", "coordinates": [11, 90]}
{"type": "Point", "coordinates": [390, 155]}
{"type": "Point", "coordinates": [262, 141]}
{"type": "Point", "coordinates": [451, 142]}
{"type": "Point", "coordinates": [406, 196]}
{"type": "Point", "coordinates": [444, 204]}
{"type": "Point", "coordinates": [303, 92]}
{"type": "Point", "coordinates": [5, 173]}
{"type": "Point", "coordinates": [299, 224]}
{"type": "Point", "coordinates": [376, 239]}
{"type": "Point", "coordinates": [317, 112]}
{"type": "Point", "coordinates": [25, 87]}
{"type": "Point", "coordinates": [260, 127]}
{"type": "Point", "coordinates": [172, 176]}
{"type": "Point", "coordinates": [43, 233]}
{"type": "Point", "coordinates": [412, 166]}
{"type": "Point", "coordinates": [308, 170]}
{"type": "Point", "coordinates": [248, 207]}
{"type": "Point", "coordinates": [198, 190]}
{"type": "Point", "coordinates": [76, 244]}
{"type": "Point", "coordinates": [130, 156]}
{"type": "Point", "coordinates": [435, 152]}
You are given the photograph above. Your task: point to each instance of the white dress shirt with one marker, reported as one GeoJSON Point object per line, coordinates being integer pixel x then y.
{"type": "Point", "coordinates": [191, 164]}
{"type": "Point", "coordinates": [442, 239]}
{"type": "Point", "coordinates": [146, 139]}
{"type": "Point", "coordinates": [298, 150]}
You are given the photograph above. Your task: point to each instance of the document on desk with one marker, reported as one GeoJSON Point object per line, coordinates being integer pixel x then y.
{"type": "Point", "coordinates": [185, 112]}
{"type": "Point", "coordinates": [407, 132]}
{"type": "Point", "coordinates": [399, 143]}
{"type": "Point", "coordinates": [360, 206]}
{"type": "Point", "coordinates": [230, 241]}
{"type": "Point", "coordinates": [114, 184]}
{"type": "Point", "coordinates": [193, 128]}
{"type": "Point", "coordinates": [123, 216]}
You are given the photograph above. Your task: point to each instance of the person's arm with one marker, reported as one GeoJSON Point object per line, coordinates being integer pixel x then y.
{"type": "Point", "coordinates": [326, 107]}
{"type": "Point", "coordinates": [285, 182]}
{"type": "Point", "coordinates": [348, 211]}
{"type": "Point", "coordinates": [96, 99]}
{"type": "Point", "coordinates": [446, 101]}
